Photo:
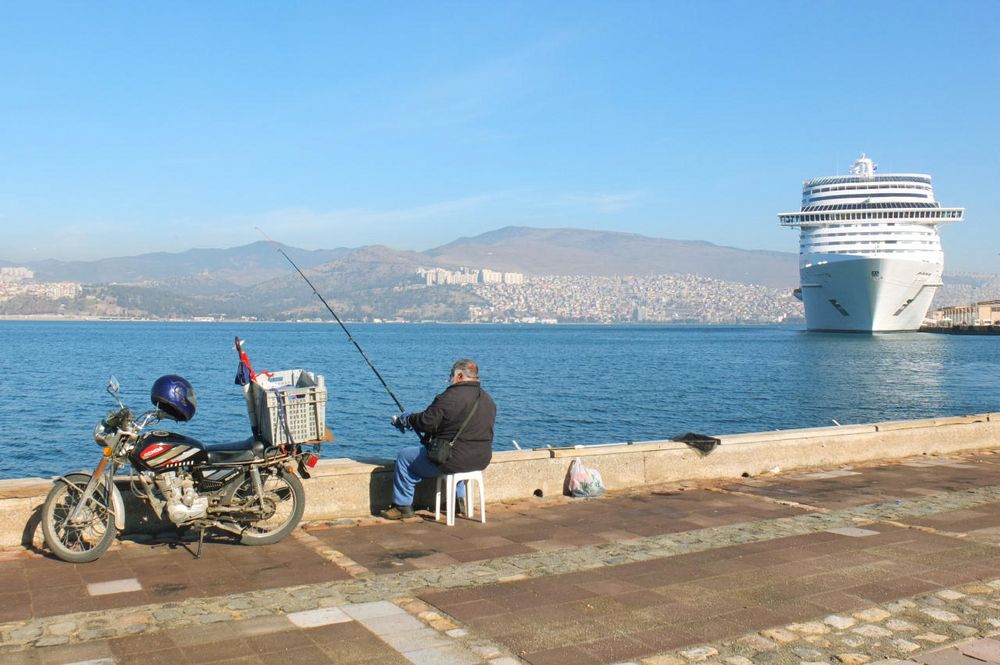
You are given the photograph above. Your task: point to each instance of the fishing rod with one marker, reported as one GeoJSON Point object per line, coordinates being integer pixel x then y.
{"type": "Point", "coordinates": [350, 337]}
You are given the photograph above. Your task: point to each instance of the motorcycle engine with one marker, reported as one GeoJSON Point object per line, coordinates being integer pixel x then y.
{"type": "Point", "coordinates": [183, 503]}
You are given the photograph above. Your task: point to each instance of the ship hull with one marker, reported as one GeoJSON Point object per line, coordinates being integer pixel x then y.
{"type": "Point", "coordinates": [859, 294]}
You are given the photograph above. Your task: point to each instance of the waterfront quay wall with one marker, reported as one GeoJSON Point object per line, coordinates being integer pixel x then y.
{"type": "Point", "coordinates": [343, 488]}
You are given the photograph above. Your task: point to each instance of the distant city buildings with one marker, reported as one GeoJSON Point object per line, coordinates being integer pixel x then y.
{"type": "Point", "coordinates": [511, 297]}
{"type": "Point", "coordinates": [16, 281]}
{"type": "Point", "coordinates": [983, 313]}
{"type": "Point", "coordinates": [45, 290]}
{"type": "Point", "coordinates": [642, 299]}
{"type": "Point", "coordinates": [15, 274]}
{"type": "Point", "coordinates": [436, 276]}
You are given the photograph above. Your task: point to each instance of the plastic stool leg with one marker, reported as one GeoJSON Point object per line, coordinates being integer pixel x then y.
{"type": "Point", "coordinates": [451, 499]}
{"type": "Point", "coordinates": [470, 496]}
{"type": "Point", "coordinates": [482, 501]}
{"type": "Point", "coordinates": [437, 500]}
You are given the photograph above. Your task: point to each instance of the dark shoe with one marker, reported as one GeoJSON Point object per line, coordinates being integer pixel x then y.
{"type": "Point", "coordinates": [397, 513]}
{"type": "Point", "coordinates": [460, 506]}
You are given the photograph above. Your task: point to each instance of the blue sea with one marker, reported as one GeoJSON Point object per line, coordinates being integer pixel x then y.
{"type": "Point", "coordinates": [554, 385]}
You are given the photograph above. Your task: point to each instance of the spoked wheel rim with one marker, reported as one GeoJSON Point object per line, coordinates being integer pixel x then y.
{"type": "Point", "coordinates": [280, 501]}
{"type": "Point", "coordinates": [89, 534]}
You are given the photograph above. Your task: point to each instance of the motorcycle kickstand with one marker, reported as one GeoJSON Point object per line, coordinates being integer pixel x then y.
{"type": "Point", "coordinates": [201, 539]}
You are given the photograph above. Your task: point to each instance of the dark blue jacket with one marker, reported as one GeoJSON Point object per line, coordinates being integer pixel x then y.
{"type": "Point", "coordinates": [443, 418]}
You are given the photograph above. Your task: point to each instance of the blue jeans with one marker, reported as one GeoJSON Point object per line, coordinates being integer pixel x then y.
{"type": "Point", "coordinates": [412, 466]}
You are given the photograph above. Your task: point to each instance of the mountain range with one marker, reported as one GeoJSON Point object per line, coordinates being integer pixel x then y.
{"type": "Point", "coordinates": [532, 251]}
{"type": "Point", "coordinates": [375, 281]}
{"type": "Point", "coordinates": [584, 252]}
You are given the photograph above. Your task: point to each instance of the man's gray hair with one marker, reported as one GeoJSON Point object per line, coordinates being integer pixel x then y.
{"type": "Point", "coordinates": [466, 367]}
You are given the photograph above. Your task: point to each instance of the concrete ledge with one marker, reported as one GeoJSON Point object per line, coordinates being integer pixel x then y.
{"type": "Point", "coordinates": [351, 488]}
{"type": "Point", "coordinates": [933, 422]}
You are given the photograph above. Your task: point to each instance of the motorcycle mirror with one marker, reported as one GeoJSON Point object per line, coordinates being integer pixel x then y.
{"type": "Point", "coordinates": [113, 385]}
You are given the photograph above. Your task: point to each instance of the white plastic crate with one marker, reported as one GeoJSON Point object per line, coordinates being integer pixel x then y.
{"type": "Point", "coordinates": [302, 397]}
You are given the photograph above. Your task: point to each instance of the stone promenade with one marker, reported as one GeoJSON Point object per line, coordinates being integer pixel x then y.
{"type": "Point", "coordinates": [896, 562]}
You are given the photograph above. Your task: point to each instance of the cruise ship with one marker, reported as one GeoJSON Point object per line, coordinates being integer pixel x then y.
{"type": "Point", "coordinates": [870, 257]}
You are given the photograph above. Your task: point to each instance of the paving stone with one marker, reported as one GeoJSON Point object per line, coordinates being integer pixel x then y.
{"type": "Point", "coordinates": [963, 630]}
{"type": "Point", "coordinates": [985, 649]}
{"type": "Point", "coordinates": [807, 654]}
{"type": "Point", "coordinates": [699, 653]}
{"type": "Point", "coordinates": [905, 646]}
{"type": "Point", "coordinates": [319, 617]}
{"type": "Point", "coordinates": [900, 625]}
{"type": "Point", "coordinates": [933, 638]}
{"type": "Point", "coordinates": [663, 659]}
{"type": "Point", "coordinates": [443, 655]}
{"type": "Point", "coordinates": [839, 622]}
{"type": "Point", "coordinates": [780, 635]}
{"type": "Point", "coordinates": [949, 594]}
{"type": "Point", "coordinates": [51, 641]}
{"type": "Point", "coordinates": [949, 657]}
{"type": "Point", "coordinates": [809, 628]}
{"type": "Point", "coordinates": [62, 628]}
{"type": "Point", "coordinates": [25, 634]}
{"type": "Point", "coordinates": [757, 643]}
{"type": "Point", "coordinates": [869, 630]}
{"type": "Point", "coordinates": [872, 615]}
{"type": "Point", "coordinates": [853, 532]}
{"type": "Point", "coordinates": [853, 658]}
{"type": "Point", "coordinates": [737, 660]}
{"type": "Point", "coordinates": [372, 609]}
{"type": "Point", "coordinates": [415, 640]}
{"type": "Point", "coordinates": [114, 586]}
{"type": "Point", "coordinates": [941, 615]}
{"type": "Point", "coordinates": [486, 651]}
{"type": "Point", "coordinates": [393, 623]}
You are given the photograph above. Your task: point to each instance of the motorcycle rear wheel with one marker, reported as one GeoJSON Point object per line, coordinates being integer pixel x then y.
{"type": "Point", "coordinates": [285, 501]}
{"type": "Point", "coordinates": [92, 536]}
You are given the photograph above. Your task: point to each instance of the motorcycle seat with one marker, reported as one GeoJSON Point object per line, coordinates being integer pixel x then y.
{"type": "Point", "coordinates": [231, 452]}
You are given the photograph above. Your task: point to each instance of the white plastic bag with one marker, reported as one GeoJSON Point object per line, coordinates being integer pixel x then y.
{"type": "Point", "coordinates": [583, 480]}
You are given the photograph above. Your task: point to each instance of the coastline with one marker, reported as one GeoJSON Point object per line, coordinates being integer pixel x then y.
{"type": "Point", "coordinates": [54, 318]}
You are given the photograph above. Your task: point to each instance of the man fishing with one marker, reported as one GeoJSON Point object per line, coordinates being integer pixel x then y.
{"type": "Point", "coordinates": [457, 428]}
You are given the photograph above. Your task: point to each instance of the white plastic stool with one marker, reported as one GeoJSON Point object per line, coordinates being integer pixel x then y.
{"type": "Point", "coordinates": [452, 480]}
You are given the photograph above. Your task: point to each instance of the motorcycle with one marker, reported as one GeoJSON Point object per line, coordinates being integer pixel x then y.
{"type": "Point", "coordinates": [246, 488]}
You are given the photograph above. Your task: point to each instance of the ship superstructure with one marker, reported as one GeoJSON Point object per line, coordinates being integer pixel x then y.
{"type": "Point", "coordinates": [870, 257]}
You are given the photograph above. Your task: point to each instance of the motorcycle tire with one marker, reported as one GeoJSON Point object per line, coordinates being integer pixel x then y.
{"type": "Point", "coordinates": [91, 538]}
{"type": "Point", "coordinates": [286, 502]}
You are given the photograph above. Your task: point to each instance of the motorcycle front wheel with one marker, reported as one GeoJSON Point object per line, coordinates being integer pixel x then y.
{"type": "Point", "coordinates": [284, 503]}
{"type": "Point", "coordinates": [91, 534]}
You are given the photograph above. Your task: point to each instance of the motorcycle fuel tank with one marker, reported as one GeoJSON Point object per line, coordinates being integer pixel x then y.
{"type": "Point", "coordinates": [163, 451]}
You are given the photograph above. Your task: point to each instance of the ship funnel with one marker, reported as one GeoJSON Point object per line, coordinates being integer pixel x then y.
{"type": "Point", "coordinates": [864, 167]}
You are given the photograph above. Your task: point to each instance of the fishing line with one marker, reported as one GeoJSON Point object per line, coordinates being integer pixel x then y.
{"type": "Point", "coordinates": [350, 337]}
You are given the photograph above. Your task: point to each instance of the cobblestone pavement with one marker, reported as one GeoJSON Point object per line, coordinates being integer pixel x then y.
{"type": "Point", "coordinates": [897, 561]}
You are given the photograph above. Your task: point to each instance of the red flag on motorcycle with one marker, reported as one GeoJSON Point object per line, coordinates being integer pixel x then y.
{"type": "Point", "coordinates": [244, 372]}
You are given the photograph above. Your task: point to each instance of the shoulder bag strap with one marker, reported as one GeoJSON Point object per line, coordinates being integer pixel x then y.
{"type": "Point", "coordinates": [467, 418]}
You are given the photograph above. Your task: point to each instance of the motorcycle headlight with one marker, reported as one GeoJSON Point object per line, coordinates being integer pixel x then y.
{"type": "Point", "coordinates": [99, 433]}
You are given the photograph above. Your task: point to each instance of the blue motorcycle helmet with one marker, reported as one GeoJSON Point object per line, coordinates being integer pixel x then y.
{"type": "Point", "coordinates": [174, 395]}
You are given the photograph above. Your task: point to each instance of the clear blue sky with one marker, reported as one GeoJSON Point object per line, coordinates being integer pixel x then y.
{"type": "Point", "coordinates": [136, 127]}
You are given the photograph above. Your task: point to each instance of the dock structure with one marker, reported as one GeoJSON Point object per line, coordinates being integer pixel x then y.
{"type": "Point", "coordinates": [871, 562]}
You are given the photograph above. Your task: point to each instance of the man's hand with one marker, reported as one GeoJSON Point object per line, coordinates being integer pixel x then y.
{"type": "Point", "coordinates": [402, 421]}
